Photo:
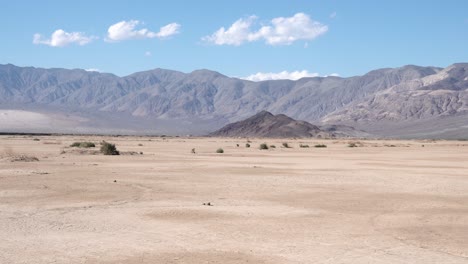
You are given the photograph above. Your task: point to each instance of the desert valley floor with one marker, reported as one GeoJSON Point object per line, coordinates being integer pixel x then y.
{"type": "Point", "coordinates": [380, 202]}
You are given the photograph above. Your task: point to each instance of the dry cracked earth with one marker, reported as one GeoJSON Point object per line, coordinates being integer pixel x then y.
{"type": "Point", "coordinates": [379, 202]}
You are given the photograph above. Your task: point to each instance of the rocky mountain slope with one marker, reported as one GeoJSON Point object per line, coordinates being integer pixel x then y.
{"type": "Point", "coordinates": [428, 103]}
{"type": "Point", "coordinates": [202, 100]}
{"type": "Point", "coordinates": [265, 124]}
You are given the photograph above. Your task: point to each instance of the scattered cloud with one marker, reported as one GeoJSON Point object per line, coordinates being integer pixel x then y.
{"type": "Point", "coordinates": [333, 15]}
{"type": "Point", "coordinates": [126, 30]}
{"type": "Point", "coordinates": [238, 33]}
{"type": "Point", "coordinates": [148, 54]}
{"type": "Point", "coordinates": [279, 31]}
{"type": "Point", "coordinates": [61, 38]}
{"type": "Point", "coordinates": [284, 75]}
{"type": "Point", "coordinates": [168, 30]}
{"type": "Point", "coordinates": [92, 70]}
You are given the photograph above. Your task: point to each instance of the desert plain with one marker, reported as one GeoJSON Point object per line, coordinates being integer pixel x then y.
{"type": "Point", "coordinates": [384, 201]}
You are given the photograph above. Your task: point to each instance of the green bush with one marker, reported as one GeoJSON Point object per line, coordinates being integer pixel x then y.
{"type": "Point", "coordinates": [220, 150]}
{"type": "Point", "coordinates": [286, 145]}
{"type": "Point", "coordinates": [320, 146]}
{"type": "Point", "coordinates": [303, 145]}
{"type": "Point", "coordinates": [247, 145]}
{"type": "Point", "coordinates": [263, 146]}
{"type": "Point", "coordinates": [83, 145]}
{"type": "Point", "coordinates": [109, 149]}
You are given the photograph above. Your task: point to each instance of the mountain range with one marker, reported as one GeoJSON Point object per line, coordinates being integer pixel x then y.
{"type": "Point", "coordinates": [409, 101]}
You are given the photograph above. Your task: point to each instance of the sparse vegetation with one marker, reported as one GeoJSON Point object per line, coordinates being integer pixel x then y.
{"type": "Point", "coordinates": [237, 145]}
{"type": "Point", "coordinates": [140, 145]}
{"type": "Point", "coordinates": [36, 139]}
{"type": "Point", "coordinates": [193, 151]}
{"type": "Point", "coordinates": [320, 146]}
{"type": "Point", "coordinates": [247, 145]}
{"type": "Point", "coordinates": [108, 149]}
{"type": "Point", "coordinates": [352, 145]}
{"type": "Point", "coordinates": [263, 146]}
{"type": "Point", "coordinates": [286, 145]}
{"type": "Point", "coordinates": [220, 150]}
{"type": "Point", "coordinates": [272, 146]}
{"type": "Point", "coordinates": [23, 158]}
{"type": "Point", "coordinates": [10, 155]}
{"type": "Point", "coordinates": [303, 145]}
{"type": "Point", "coordinates": [83, 145]}
{"type": "Point", "coordinates": [51, 142]}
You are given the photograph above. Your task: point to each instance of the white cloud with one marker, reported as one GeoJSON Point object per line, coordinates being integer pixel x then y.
{"type": "Point", "coordinates": [333, 15]}
{"type": "Point", "coordinates": [125, 30]}
{"type": "Point", "coordinates": [238, 33]}
{"type": "Point", "coordinates": [279, 31]}
{"type": "Point", "coordinates": [148, 54]}
{"type": "Point", "coordinates": [284, 75]}
{"type": "Point", "coordinates": [168, 30]}
{"type": "Point", "coordinates": [61, 38]}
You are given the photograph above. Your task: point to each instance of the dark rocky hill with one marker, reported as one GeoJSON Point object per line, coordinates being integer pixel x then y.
{"type": "Point", "coordinates": [265, 124]}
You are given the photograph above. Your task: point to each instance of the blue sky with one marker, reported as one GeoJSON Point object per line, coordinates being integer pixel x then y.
{"type": "Point", "coordinates": [267, 37]}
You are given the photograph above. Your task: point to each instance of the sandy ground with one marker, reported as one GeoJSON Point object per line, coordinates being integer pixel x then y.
{"type": "Point", "coordinates": [375, 203]}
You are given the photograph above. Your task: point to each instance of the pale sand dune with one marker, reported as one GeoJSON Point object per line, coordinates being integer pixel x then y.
{"type": "Point", "coordinates": [23, 119]}
{"type": "Point", "coordinates": [370, 204]}
{"type": "Point", "coordinates": [19, 120]}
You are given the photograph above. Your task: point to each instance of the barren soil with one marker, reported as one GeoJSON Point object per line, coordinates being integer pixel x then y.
{"type": "Point", "coordinates": [380, 202]}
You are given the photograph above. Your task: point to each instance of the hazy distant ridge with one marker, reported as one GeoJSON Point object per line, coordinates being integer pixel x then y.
{"type": "Point", "coordinates": [409, 93]}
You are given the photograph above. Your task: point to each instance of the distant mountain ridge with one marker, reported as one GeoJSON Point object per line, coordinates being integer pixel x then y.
{"type": "Point", "coordinates": [393, 101]}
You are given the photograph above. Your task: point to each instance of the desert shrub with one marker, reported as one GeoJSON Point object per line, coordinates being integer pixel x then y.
{"type": "Point", "coordinates": [272, 146]}
{"type": "Point", "coordinates": [193, 151]}
{"type": "Point", "coordinates": [23, 158]}
{"type": "Point", "coordinates": [83, 145]}
{"type": "Point", "coordinates": [52, 143]}
{"type": "Point", "coordinates": [263, 146]}
{"type": "Point", "coordinates": [36, 139]}
{"type": "Point", "coordinates": [237, 145]}
{"type": "Point", "coordinates": [247, 145]}
{"type": "Point", "coordinates": [352, 145]}
{"type": "Point", "coordinates": [303, 145]}
{"type": "Point", "coordinates": [220, 150]}
{"type": "Point", "coordinates": [109, 149]}
{"type": "Point", "coordinates": [140, 145]}
{"type": "Point", "coordinates": [320, 146]}
{"type": "Point", "coordinates": [286, 145]}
